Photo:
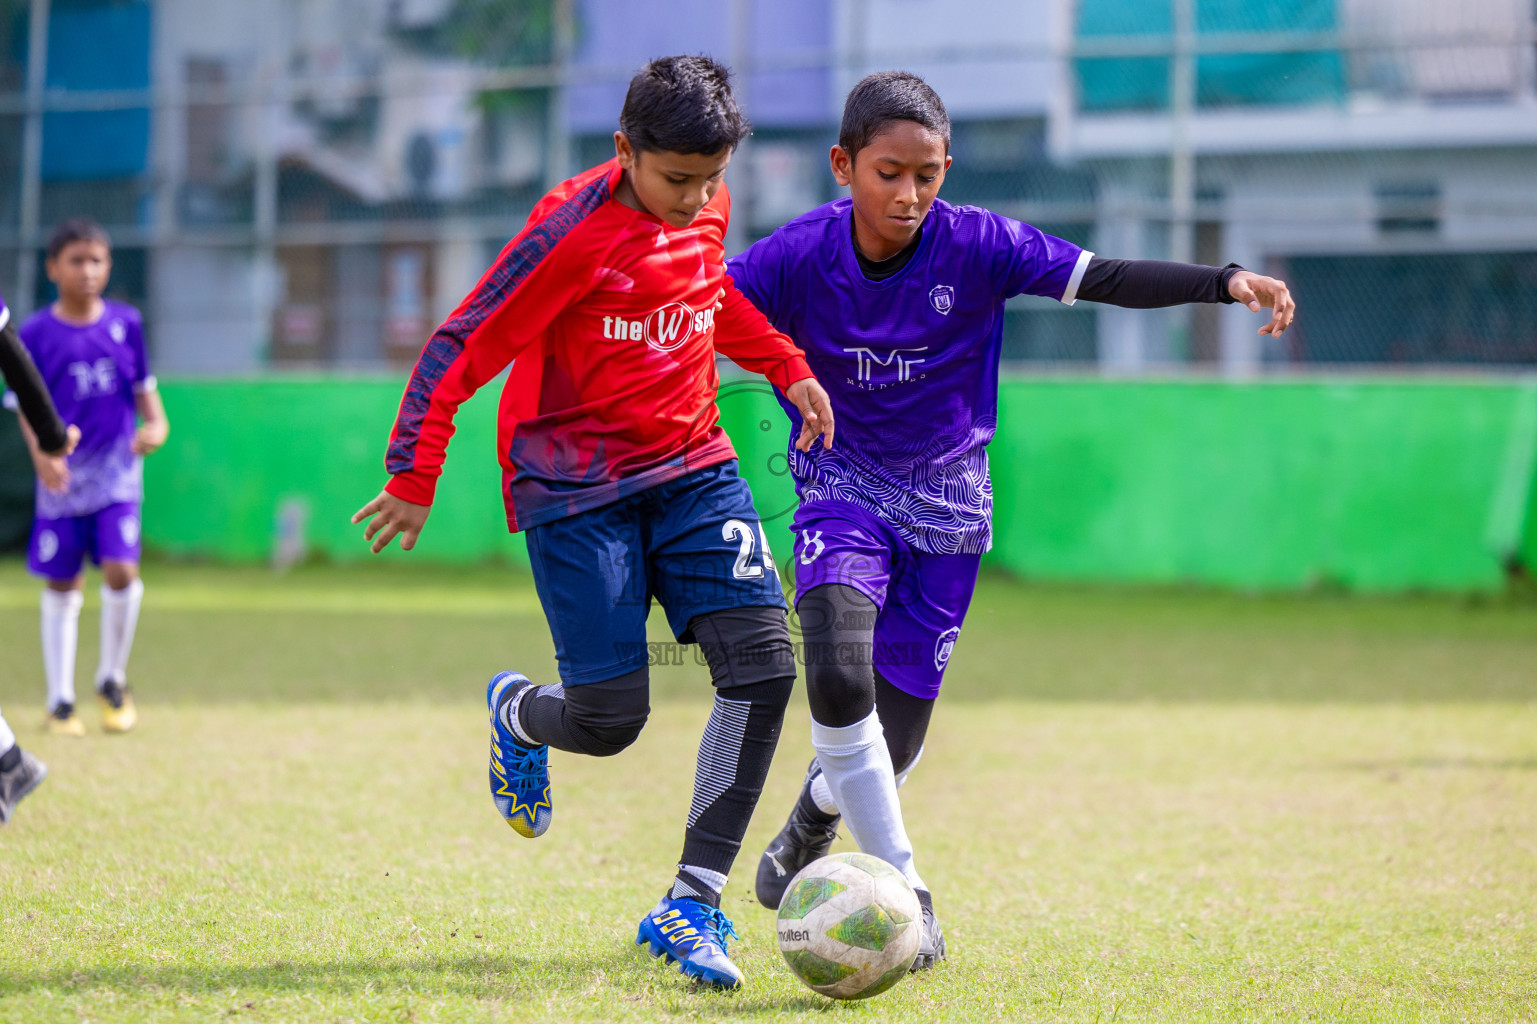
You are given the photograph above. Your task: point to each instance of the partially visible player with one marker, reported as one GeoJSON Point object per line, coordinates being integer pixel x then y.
{"type": "Point", "coordinates": [611, 305]}
{"type": "Point", "coordinates": [20, 772]}
{"type": "Point", "coordinates": [898, 300]}
{"type": "Point", "coordinates": [91, 354]}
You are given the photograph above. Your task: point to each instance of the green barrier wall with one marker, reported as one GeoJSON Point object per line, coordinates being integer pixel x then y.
{"type": "Point", "coordinates": [1371, 485]}
{"type": "Point", "coordinates": [240, 450]}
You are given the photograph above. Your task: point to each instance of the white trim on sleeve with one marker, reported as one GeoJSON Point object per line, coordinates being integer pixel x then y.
{"type": "Point", "coordinates": [1070, 293]}
{"type": "Point", "coordinates": [146, 385]}
{"type": "Point", "coordinates": [5, 316]}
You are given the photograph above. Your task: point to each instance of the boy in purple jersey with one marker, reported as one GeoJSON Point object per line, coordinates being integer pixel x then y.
{"type": "Point", "coordinates": [897, 299]}
{"type": "Point", "coordinates": [20, 772]}
{"type": "Point", "coordinates": [91, 354]}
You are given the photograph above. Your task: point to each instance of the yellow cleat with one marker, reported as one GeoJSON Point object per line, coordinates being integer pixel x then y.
{"type": "Point", "coordinates": [117, 711]}
{"type": "Point", "coordinates": [62, 721]}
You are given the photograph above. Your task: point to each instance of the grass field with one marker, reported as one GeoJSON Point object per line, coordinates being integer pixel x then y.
{"type": "Point", "coordinates": [1135, 806]}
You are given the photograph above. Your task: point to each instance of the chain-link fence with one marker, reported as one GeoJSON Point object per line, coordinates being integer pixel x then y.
{"type": "Point", "coordinates": [314, 183]}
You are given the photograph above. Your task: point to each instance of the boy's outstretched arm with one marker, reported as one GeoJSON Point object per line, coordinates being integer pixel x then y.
{"type": "Point", "coordinates": [538, 274]}
{"type": "Point", "coordinates": [1152, 284]}
{"type": "Point", "coordinates": [744, 335]}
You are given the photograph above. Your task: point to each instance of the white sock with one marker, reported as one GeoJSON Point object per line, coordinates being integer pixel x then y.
{"type": "Point", "coordinates": [822, 796]}
{"type": "Point", "coordinates": [119, 618]}
{"type": "Point", "coordinates": [714, 879]}
{"type": "Point", "coordinates": [61, 635]}
{"type": "Point", "coordinates": [7, 737]}
{"type": "Point", "coordinates": [859, 776]}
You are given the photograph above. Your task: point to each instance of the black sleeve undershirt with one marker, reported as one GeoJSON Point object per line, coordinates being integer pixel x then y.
{"type": "Point", "coordinates": [21, 376]}
{"type": "Point", "coordinates": [1151, 284]}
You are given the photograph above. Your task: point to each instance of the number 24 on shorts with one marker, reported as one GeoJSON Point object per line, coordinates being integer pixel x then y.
{"type": "Point", "coordinates": [743, 534]}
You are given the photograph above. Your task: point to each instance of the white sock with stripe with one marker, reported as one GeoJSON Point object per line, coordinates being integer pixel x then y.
{"type": "Point", "coordinates": [61, 638]}
{"type": "Point", "coordinates": [863, 786]}
{"type": "Point", "coordinates": [688, 874]}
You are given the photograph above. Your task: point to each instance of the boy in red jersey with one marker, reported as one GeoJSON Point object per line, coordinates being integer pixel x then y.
{"type": "Point", "coordinates": [611, 305]}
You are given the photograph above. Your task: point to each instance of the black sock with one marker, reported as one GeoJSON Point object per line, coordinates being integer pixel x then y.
{"type": "Point", "coordinates": [753, 668]}
{"type": "Point", "coordinates": [11, 758]}
{"type": "Point", "coordinates": [807, 809]}
{"type": "Point", "coordinates": [734, 758]}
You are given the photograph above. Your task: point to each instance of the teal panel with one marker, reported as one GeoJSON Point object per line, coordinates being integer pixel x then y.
{"type": "Point", "coordinates": [1245, 79]}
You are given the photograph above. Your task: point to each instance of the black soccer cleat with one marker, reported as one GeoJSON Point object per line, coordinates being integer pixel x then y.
{"type": "Point", "coordinates": [21, 779]}
{"type": "Point", "coordinates": [802, 840]}
{"type": "Point", "coordinates": [931, 948]}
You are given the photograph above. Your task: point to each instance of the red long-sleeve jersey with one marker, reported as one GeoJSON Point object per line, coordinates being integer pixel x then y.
{"type": "Point", "coordinates": [611, 320]}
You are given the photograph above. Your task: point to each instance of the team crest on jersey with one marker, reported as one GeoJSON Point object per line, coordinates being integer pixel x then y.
{"type": "Point", "coordinates": [118, 331]}
{"type": "Point", "coordinates": [942, 298]}
{"type": "Point", "coordinates": [944, 645]}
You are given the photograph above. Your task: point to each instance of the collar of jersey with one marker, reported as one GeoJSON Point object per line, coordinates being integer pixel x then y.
{"type": "Point", "coordinates": [851, 261]}
{"type": "Point", "coordinates": [106, 311]}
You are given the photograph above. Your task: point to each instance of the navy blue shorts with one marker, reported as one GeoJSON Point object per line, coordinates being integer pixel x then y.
{"type": "Point", "coordinates": [694, 543]}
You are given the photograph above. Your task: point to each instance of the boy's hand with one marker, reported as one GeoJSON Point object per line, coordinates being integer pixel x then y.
{"type": "Point", "coordinates": [394, 516]}
{"type": "Point", "coordinates": [816, 412]}
{"type": "Point", "coordinates": [149, 437]}
{"type": "Point", "coordinates": [71, 439]}
{"type": "Point", "coordinates": [1259, 292]}
{"type": "Point", "coordinates": [52, 470]}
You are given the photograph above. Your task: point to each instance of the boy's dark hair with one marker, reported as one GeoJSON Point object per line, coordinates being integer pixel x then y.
{"type": "Point", "coordinates": [76, 229]}
{"type": "Point", "coordinates": [683, 105]}
{"type": "Point", "coordinates": [888, 96]}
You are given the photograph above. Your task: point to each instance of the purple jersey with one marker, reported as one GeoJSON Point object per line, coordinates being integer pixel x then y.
{"type": "Point", "coordinates": [910, 362]}
{"type": "Point", "coordinates": [93, 373]}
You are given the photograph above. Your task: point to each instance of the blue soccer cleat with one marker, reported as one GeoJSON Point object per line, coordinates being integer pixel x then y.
{"type": "Point", "coordinates": [694, 935]}
{"type": "Point", "coordinates": [520, 775]}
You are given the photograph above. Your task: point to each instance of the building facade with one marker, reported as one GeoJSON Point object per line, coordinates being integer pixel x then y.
{"type": "Point", "coordinates": [301, 184]}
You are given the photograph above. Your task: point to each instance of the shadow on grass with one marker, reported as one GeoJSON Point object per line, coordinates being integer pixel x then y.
{"type": "Point", "coordinates": [621, 973]}
{"type": "Point", "coordinates": [1477, 764]}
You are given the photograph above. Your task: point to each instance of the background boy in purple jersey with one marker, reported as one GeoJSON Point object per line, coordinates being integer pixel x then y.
{"type": "Point", "coordinates": [91, 354]}
{"type": "Point", "coordinates": [897, 299]}
{"type": "Point", "coordinates": [20, 772]}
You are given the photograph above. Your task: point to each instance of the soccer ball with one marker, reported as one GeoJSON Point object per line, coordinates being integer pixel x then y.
{"type": "Point", "coordinates": [849, 926]}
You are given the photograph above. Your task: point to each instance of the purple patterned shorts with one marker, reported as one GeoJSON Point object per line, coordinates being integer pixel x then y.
{"type": "Point", "coordinates": [922, 597]}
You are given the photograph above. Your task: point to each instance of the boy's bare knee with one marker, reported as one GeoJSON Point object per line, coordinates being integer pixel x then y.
{"type": "Point", "coordinates": [119, 575]}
